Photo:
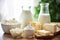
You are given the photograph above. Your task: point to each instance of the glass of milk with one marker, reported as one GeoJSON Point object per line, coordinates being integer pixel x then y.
{"type": "Point", "coordinates": [44, 16]}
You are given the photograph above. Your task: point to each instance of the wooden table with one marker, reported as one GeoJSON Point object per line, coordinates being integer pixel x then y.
{"type": "Point", "coordinates": [8, 37]}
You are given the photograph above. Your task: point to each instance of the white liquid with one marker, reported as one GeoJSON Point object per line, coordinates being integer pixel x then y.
{"type": "Point", "coordinates": [26, 17]}
{"type": "Point", "coordinates": [44, 18]}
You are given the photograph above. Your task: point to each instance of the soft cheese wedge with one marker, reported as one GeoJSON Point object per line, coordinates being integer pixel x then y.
{"type": "Point", "coordinates": [50, 27]}
{"type": "Point", "coordinates": [16, 32]}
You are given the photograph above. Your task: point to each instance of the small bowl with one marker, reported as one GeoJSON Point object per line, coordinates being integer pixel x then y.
{"type": "Point", "coordinates": [6, 28]}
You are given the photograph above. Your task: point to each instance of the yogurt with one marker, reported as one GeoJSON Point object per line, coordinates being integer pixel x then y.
{"type": "Point", "coordinates": [28, 32]}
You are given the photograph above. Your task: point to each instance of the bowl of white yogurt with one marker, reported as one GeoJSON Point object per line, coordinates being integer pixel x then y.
{"type": "Point", "coordinates": [28, 32]}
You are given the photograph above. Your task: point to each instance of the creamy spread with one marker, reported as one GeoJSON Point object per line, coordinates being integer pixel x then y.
{"type": "Point", "coordinates": [10, 22]}
{"type": "Point", "coordinates": [29, 28]}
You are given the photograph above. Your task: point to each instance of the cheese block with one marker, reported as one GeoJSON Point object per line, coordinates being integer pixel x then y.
{"type": "Point", "coordinates": [50, 27]}
{"type": "Point", "coordinates": [16, 32]}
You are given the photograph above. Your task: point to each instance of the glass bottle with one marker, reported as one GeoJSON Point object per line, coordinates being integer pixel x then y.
{"type": "Point", "coordinates": [26, 16]}
{"type": "Point", "coordinates": [44, 16]}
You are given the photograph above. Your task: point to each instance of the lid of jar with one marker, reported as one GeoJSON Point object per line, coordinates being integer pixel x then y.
{"type": "Point", "coordinates": [26, 7]}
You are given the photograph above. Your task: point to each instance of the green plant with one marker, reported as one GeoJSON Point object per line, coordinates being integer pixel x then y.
{"type": "Point", "coordinates": [37, 10]}
{"type": "Point", "coordinates": [53, 9]}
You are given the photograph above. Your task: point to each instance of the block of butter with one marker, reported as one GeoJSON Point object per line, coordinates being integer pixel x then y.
{"type": "Point", "coordinates": [16, 32]}
{"type": "Point", "coordinates": [50, 27]}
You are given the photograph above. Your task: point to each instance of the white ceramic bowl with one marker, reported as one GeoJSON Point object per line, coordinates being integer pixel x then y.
{"type": "Point", "coordinates": [6, 28]}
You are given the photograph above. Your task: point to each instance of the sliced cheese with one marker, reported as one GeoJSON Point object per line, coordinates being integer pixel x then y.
{"type": "Point", "coordinates": [43, 32]}
{"type": "Point", "coordinates": [50, 27]}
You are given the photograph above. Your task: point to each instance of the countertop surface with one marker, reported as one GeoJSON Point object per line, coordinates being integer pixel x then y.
{"type": "Point", "coordinates": [4, 37]}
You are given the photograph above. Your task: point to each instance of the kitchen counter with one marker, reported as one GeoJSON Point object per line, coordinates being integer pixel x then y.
{"type": "Point", "coordinates": [8, 37]}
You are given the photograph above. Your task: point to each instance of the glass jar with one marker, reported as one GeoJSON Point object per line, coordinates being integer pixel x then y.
{"type": "Point", "coordinates": [44, 16]}
{"type": "Point", "coordinates": [26, 16]}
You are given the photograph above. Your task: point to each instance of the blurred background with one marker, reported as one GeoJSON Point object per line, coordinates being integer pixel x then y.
{"type": "Point", "coordinates": [13, 8]}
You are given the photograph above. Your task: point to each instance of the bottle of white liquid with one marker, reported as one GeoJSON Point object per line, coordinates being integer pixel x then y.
{"type": "Point", "coordinates": [44, 16]}
{"type": "Point", "coordinates": [26, 16]}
